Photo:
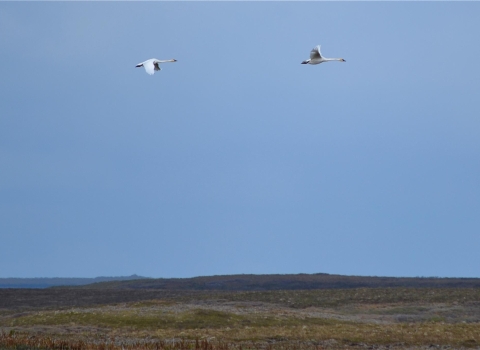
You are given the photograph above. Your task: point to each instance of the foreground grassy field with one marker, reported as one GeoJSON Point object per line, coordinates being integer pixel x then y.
{"type": "Point", "coordinates": [365, 317]}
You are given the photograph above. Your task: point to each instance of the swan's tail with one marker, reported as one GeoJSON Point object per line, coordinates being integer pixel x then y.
{"type": "Point", "coordinates": [305, 62]}
{"type": "Point", "coordinates": [139, 65]}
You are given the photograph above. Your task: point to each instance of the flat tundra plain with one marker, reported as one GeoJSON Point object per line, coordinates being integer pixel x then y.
{"type": "Point", "coordinates": [376, 318]}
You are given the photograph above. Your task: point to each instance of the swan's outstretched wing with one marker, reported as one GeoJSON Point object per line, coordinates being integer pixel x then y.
{"type": "Point", "coordinates": [315, 53]}
{"type": "Point", "coordinates": [149, 67]}
{"type": "Point", "coordinates": [156, 66]}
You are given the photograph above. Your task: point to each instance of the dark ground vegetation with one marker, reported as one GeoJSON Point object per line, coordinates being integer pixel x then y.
{"type": "Point", "coordinates": [289, 282]}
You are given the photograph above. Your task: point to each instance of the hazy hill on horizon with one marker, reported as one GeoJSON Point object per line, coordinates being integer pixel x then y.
{"type": "Point", "coordinates": [46, 282]}
{"type": "Point", "coordinates": [250, 282]}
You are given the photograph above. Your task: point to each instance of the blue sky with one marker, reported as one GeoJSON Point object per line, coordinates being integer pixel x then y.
{"type": "Point", "coordinates": [237, 158]}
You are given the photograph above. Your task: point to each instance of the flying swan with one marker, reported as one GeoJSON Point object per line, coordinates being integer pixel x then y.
{"type": "Point", "coordinates": [316, 57]}
{"type": "Point", "coordinates": [151, 65]}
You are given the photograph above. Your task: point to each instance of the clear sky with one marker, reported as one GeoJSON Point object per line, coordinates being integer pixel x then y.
{"type": "Point", "coordinates": [237, 158]}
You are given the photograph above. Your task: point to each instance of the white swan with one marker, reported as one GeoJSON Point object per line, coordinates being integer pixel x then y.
{"type": "Point", "coordinates": [151, 65]}
{"type": "Point", "coordinates": [316, 57]}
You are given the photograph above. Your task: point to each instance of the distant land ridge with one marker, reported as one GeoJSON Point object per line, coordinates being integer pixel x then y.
{"type": "Point", "coordinates": [46, 282]}
{"type": "Point", "coordinates": [286, 282]}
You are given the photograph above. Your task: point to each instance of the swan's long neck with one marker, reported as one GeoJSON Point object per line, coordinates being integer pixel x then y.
{"type": "Point", "coordinates": [333, 59]}
{"type": "Point", "coordinates": [163, 61]}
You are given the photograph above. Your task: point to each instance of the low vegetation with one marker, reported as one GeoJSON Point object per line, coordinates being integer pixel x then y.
{"type": "Point", "coordinates": [220, 320]}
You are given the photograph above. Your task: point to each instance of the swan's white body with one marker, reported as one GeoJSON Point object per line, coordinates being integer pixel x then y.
{"type": "Point", "coordinates": [317, 58]}
{"type": "Point", "coordinates": [151, 65]}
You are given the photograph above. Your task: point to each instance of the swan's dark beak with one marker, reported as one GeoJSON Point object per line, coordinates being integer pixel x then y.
{"type": "Point", "coordinates": [343, 60]}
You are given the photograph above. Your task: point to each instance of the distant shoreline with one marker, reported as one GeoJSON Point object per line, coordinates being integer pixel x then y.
{"type": "Point", "coordinates": [47, 282]}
